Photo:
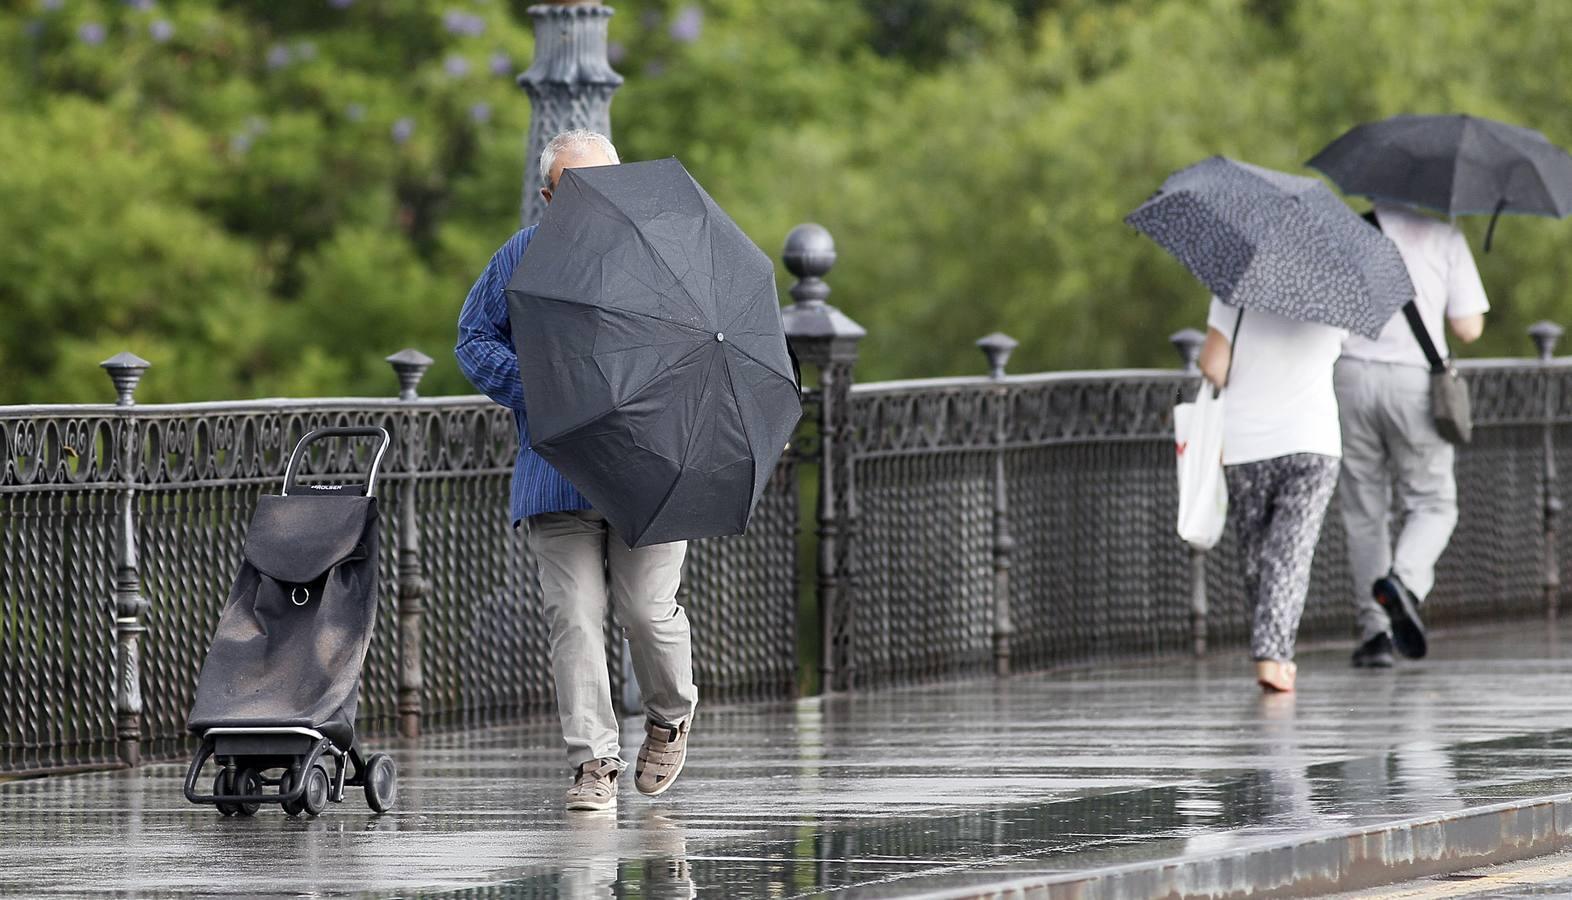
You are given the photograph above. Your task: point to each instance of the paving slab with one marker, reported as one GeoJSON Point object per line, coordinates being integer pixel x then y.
{"type": "Point", "coordinates": [948, 790]}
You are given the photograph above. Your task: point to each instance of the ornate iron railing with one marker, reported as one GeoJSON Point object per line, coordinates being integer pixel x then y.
{"type": "Point", "coordinates": [960, 525]}
{"type": "Point", "coordinates": [1029, 520]}
{"type": "Point", "coordinates": [121, 527]}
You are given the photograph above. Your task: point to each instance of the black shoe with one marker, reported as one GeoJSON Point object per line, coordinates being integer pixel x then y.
{"type": "Point", "coordinates": [1375, 653]}
{"type": "Point", "coordinates": [1408, 632]}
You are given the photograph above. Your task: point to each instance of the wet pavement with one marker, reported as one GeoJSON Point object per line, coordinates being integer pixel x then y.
{"type": "Point", "coordinates": [1547, 876]}
{"type": "Point", "coordinates": [918, 791]}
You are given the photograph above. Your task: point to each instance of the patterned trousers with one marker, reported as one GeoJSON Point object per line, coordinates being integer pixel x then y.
{"type": "Point", "coordinates": [1276, 507]}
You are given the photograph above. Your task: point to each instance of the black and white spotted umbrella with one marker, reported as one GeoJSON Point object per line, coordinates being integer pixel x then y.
{"type": "Point", "coordinates": [1263, 239]}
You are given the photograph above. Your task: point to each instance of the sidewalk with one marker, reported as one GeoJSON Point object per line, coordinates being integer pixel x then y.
{"type": "Point", "coordinates": [943, 790]}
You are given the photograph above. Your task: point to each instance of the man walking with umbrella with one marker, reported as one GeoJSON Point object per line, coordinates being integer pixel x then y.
{"type": "Point", "coordinates": [581, 562]}
{"type": "Point", "coordinates": [1453, 165]}
{"type": "Point", "coordinates": [1390, 441]}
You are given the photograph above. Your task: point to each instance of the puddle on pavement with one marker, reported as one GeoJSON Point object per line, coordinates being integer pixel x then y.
{"type": "Point", "coordinates": [887, 858]}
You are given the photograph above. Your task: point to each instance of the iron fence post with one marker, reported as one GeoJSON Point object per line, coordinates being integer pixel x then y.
{"type": "Point", "coordinates": [410, 366]}
{"type": "Point", "coordinates": [823, 337]}
{"type": "Point", "coordinates": [125, 371]}
{"type": "Point", "coordinates": [1188, 345]}
{"type": "Point", "coordinates": [570, 83]}
{"type": "Point", "coordinates": [1545, 336]}
{"type": "Point", "coordinates": [997, 348]}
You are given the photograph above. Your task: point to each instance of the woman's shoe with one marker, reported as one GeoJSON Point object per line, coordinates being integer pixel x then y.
{"type": "Point", "coordinates": [1275, 676]}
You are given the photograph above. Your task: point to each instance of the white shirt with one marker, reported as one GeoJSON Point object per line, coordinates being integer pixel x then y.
{"type": "Point", "coordinates": [1279, 398]}
{"type": "Point", "coordinates": [1446, 286]}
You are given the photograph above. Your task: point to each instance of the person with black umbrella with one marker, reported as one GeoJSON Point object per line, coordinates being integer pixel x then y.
{"type": "Point", "coordinates": [1403, 406]}
{"type": "Point", "coordinates": [582, 563]}
{"type": "Point", "coordinates": [1391, 445]}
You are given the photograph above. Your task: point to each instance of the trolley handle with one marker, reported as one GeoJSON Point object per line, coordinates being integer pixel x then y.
{"type": "Point", "coordinates": [322, 434]}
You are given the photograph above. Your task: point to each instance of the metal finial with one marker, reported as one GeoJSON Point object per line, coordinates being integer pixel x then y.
{"type": "Point", "coordinates": [125, 370]}
{"type": "Point", "coordinates": [410, 365]}
{"type": "Point", "coordinates": [809, 255]}
{"type": "Point", "coordinates": [1545, 335]}
{"type": "Point", "coordinates": [1187, 344]}
{"type": "Point", "coordinates": [997, 348]}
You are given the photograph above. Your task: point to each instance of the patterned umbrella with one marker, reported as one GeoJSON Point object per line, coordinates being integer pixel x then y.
{"type": "Point", "coordinates": [1457, 165]}
{"type": "Point", "coordinates": [1263, 239]}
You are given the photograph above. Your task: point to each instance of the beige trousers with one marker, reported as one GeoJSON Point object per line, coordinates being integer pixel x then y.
{"type": "Point", "coordinates": [583, 565]}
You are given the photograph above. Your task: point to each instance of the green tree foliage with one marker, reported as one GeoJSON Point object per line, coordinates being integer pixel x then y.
{"type": "Point", "coordinates": [266, 198]}
{"type": "Point", "coordinates": [261, 198]}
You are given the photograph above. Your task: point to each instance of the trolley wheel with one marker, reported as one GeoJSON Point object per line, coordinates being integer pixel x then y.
{"type": "Point", "coordinates": [249, 781]}
{"type": "Point", "coordinates": [381, 782]}
{"type": "Point", "coordinates": [221, 786]}
{"type": "Point", "coordinates": [286, 783]}
{"type": "Point", "coordinates": [316, 797]}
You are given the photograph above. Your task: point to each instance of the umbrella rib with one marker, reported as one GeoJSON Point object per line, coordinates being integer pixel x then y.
{"type": "Point", "coordinates": [753, 453]}
{"type": "Point", "coordinates": [1512, 149]}
{"type": "Point", "coordinates": [762, 364]}
{"type": "Point", "coordinates": [613, 310]}
{"type": "Point", "coordinates": [1533, 166]}
{"type": "Point", "coordinates": [632, 395]}
{"type": "Point", "coordinates": [709, 374]}
{"type": "Point", "coordinates": [682, 463]}
{"type": "Point", "coordinates": [1480, 135]}
{"type": "Point", "coordinates": [754, 301]}
{"type": "Point", "coordinates": [697, 307]}
{"type": "Point", "coordinates": [715, 269]}
{"type": "Point", "coordinates": [1464, 131]}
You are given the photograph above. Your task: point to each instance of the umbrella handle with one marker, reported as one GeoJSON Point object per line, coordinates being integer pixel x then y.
{"type": "Point", "coordinates": [1232, 344]}
{"type": "Point", "coordinates": [1490, 233]}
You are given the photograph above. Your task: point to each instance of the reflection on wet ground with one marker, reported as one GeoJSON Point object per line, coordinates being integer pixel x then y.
{"type": "Point", "coordinates": [872, 795]}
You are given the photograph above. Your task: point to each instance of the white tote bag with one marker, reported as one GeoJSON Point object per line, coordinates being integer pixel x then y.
{"type": "Point", "coordinates": [1203, 494]}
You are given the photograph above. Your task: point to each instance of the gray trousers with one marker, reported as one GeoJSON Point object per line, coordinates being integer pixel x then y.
{"type": "Point", "coordinates": [1391, 451]}
{"type": "Point", "coordinates": [582, 565]}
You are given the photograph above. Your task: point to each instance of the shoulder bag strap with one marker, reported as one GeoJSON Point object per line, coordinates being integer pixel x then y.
{"type": "Point", "coordinates": [1411, 313]}
{"type": "Point", "coordinates": [1422, 335]}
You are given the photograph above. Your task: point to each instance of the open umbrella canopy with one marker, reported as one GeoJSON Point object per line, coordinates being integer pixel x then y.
{"type": "Point", "coordinates": [1457, 165]}
{"type": "Point", "coordinates": [1264, 239]}
{"type": "Point", "coordinates": [651, 349]}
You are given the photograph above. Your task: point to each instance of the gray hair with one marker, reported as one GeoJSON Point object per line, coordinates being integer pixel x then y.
{"type": "Point", "coordinates": [577, 139]}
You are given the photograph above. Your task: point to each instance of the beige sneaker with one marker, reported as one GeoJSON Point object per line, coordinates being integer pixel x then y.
{"type": "Point", "coordinates": [660, 759]}
{"type": "Point", "coordinates": [595, 786]}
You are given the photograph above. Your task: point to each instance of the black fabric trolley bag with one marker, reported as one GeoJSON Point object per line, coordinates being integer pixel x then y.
{"type": "Point", "coordinates": [280, 684]}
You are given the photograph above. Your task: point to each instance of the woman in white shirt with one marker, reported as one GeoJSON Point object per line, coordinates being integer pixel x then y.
{"type": "Point", "coordinates": [1281, 450]}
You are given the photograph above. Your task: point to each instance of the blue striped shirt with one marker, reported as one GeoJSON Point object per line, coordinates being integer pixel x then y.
{"type": "Point", "coordinates": [486, 356]}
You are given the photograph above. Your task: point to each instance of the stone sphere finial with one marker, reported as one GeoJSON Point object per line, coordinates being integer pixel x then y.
{"type": "Point", "coordinates": [809, 255]}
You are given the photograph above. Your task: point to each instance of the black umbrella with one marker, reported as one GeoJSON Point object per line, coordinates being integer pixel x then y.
{"type": "Point", "coordinates": [1263, 239]}
{"type": "Point", "coordinates": [1457, 165]}
{"type": "Point", "coordinates": [650, 343]}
